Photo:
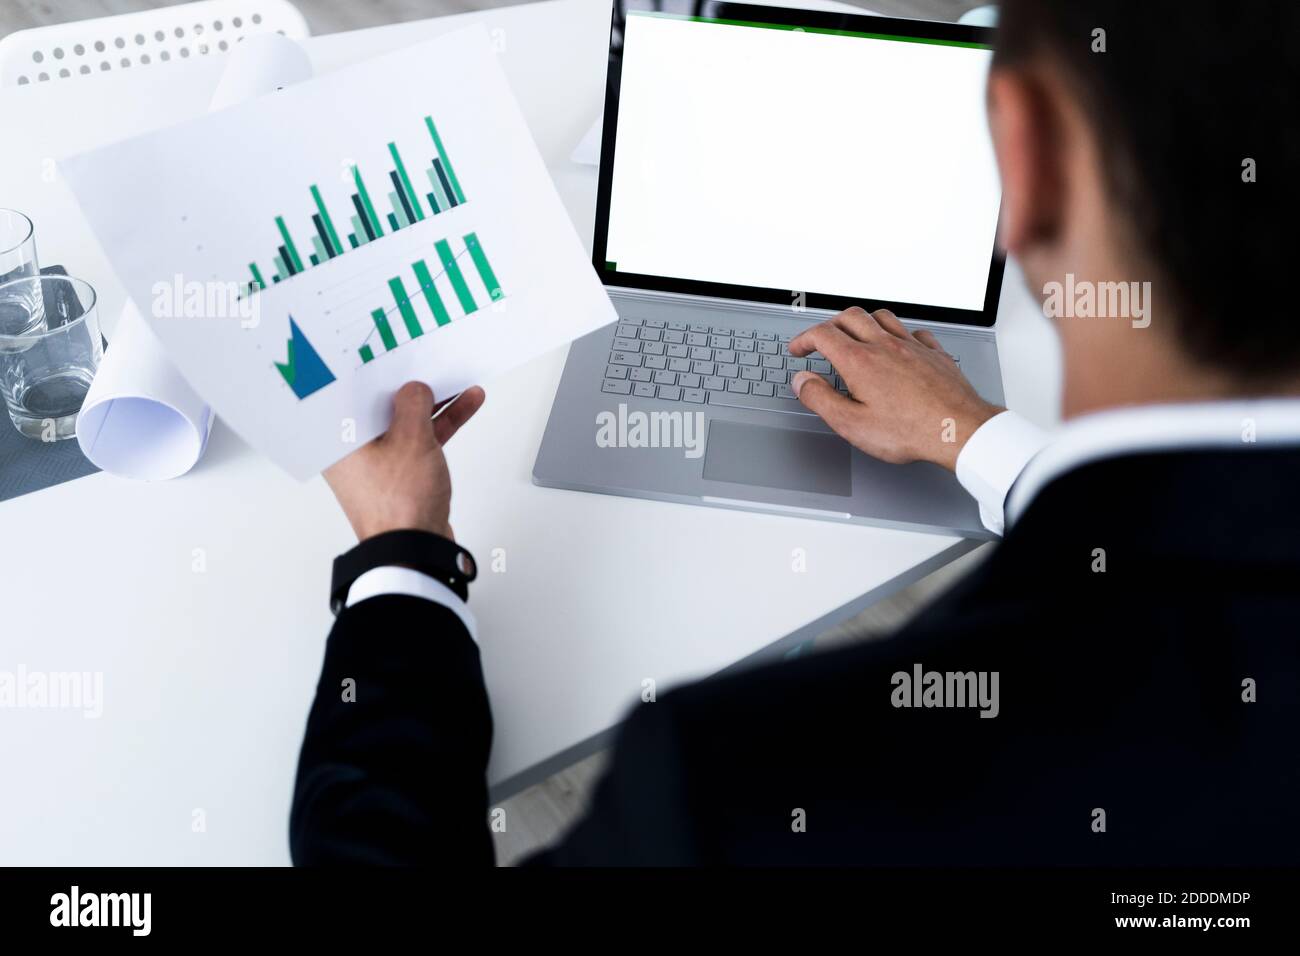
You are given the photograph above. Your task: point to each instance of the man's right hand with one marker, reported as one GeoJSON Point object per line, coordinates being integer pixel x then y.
{"type": "Point", "coordinates": [909, 400]}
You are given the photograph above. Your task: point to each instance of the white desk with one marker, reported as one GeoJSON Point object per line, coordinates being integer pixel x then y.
{"type": "Point", "coordinates": [202, 601]}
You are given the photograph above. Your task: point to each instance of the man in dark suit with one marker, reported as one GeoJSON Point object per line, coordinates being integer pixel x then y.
{"type": "Point", "coordinates": [1117, 683]}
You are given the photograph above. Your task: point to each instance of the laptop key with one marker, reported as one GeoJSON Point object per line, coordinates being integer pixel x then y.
{"type": "Point", "coordinates": [673, 337]}
{"type": "Point", "coordinates": [678, 351]}
{"type": "Point", "coordinates": [766, 336]}
{"type": "Point", "coordinates": [655, 323]}
{"type": "Point", "coordinates": [626, 321]}
{"type": "Point", "coordinates": [651, 335]}
{"type": "Point", "coordinates": [653, 348]}
{"type": "Point", "coordinates": [702, 353]}
{"type": "Point", "coordinates": [728, 356]}
{"type": "Point", "coordinates": [739, 386]}
{"type": "Point", "coordinates": [656, 362]}
{"type": "Point", "coordinates": [665, 378]}
{"type": "Point", "coordinates": [720, 341]}
{"type": "Point", "coordinates": [616, 371]}
{"type": "Point", "coordinates": [763, 388]}
{"type": "Point", "coordinates": [689, 380]}
{"type": "Point", "coordinates": [742, 345]}
{"type": "Point", "coordinates": [744, 333]}
{"type": "Point", "coordinates": [820, 366]}
{"type": "Point", "coordinates": [643, 390]}
{"type": "Point", "coordinates": [767, 348]}
{"type": "Point", "coordinates": [714, 383]}
{"type": "Point", "coordinates": [695, 395]}
{"type": "Point", "coordinates": [703, 368]}
{"type": "Point", "coordinates": [729, 371]}
{"type": "Point", "coordinates": [640, 375]}
{"type": "Point", "coordinates": [679, 365]}
{"type": "Point", "coordinates": [751, 374]}
{"type": "Point", "coordinates": [624, 358]}
{"type": "Point", "coordinates": [615, 387]}
{"type": "Point", "coordinates": [626, 330]}
{"type": "Point", "coordinates": [747, 358]}
{"type": "Point", "coordinates": [777, 376]}
{"type": "Point", "coordinates": [677, 326]}
{"type": "Point", "coordinates": [697, 338]}
{"type": "Point", "coordinates": [785, 391]}
{"type": "Point", "coordinates": [670, 393]}
{"type": "Point", "coordinates": [626, 345]}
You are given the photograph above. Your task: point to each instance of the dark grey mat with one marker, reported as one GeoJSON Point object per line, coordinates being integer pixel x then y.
{"type": "Point", "coordinates": [28, 465]}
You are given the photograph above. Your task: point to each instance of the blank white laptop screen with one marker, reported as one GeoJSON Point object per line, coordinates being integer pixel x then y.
{"type": "Point", "coordinates": [806, 161]}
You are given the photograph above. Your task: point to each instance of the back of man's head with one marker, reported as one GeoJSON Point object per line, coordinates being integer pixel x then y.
{"type": "Point", "coordinates": [1193, 106]}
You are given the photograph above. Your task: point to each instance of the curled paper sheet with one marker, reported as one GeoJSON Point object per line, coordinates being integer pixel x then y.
{"type": "Point", "coordinates": [140, 418]}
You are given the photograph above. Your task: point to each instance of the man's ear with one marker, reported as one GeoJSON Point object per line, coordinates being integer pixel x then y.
{"type": "Point", "coordinates": [1026, 142]}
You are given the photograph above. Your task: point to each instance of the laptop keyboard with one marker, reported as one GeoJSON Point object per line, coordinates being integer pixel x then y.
{"type": "Point", "coordinates": [703, 364]}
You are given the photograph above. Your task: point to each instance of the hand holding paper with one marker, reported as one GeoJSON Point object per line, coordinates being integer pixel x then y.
{"type": "Point", "coordinates": [305, 254]}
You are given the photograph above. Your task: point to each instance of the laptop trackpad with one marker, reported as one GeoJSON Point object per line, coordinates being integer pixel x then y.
{"type": "Point", "coordinates": [789, 458]}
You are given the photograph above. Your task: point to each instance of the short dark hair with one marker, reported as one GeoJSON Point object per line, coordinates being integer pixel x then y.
{"type": "Point", "coordinates": [1184, 94]}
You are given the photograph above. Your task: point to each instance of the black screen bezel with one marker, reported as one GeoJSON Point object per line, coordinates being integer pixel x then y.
{"type": "Point", "coordinates": [719, 9]}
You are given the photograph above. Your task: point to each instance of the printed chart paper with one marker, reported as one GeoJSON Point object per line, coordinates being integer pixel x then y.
{"type": "Point", "coordinates": [303, 255]}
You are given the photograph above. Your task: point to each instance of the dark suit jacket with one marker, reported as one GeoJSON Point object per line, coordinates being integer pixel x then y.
{"type": "Point", "coordinates": [1119, 690]}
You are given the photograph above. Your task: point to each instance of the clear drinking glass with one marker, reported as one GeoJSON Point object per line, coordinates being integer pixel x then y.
{"type": "Point", "coordinates": [46, 370]}
{"type": "Point", "coordinates": [17, 261]}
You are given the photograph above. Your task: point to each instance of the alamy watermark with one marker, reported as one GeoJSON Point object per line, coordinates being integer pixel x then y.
{"type": "Point", "coordinates": [1098, 300]}
{"type": "Point", "coordinates": [922, 688]}
{"type": "Point", "coordinates": [53, 690]}
{"type": "Point", "coordinates": [658, 429]}
{"type": "Point", "coordinates": [178, 298]}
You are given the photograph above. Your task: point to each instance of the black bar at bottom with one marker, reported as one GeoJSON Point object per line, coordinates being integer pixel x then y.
{"type": "Point", "coordinates": [288, 262]}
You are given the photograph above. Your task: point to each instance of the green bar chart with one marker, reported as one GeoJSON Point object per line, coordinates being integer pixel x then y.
{"type": "Point", "coordinates": [463, 282]}
{"type": "Point", "coordinates": [407, 207]}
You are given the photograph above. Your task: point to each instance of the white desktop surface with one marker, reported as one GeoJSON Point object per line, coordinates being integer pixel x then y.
{"type": "Point", "coordinates": [202, 601]}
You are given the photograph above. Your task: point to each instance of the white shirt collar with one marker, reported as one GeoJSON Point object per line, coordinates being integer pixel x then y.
{"type": "Point", "coordinates": [1115, 432]}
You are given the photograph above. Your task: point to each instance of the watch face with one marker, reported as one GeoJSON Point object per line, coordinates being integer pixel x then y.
{"type": "Point", "coordinates": [465, 562]}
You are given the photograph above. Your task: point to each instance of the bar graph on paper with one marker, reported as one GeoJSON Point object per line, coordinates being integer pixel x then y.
{"type": "Point", "coordinates": [407, 205]}
{"type": "Point", "coordinates": [453, 286]}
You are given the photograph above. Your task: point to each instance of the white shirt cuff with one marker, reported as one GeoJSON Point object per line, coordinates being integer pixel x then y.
{"type": "Point", "coordinates": [393, 580]}
{"type": "Point", "coordinates": [993, 459]}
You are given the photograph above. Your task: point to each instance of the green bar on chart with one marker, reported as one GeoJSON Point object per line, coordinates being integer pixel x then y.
{"type": "Point", "coordinates": [352, 240]}
{"type": "Point", "coordinates": [367, 355]}
{"type": "Point", "coordinates": [359, 231]}
{"type": "Point", "coordinates": [431, 295]}
{"type": "Point", "coordinates": [281, 270]}
{"type": "Point", "coordinates": [325, 218]}
{"type": "Point", "coordinates": [416, 209]}
{"type": "Point", "coordinates": [385, 330]}
{"type": "Point", "coordinates": [392, 221]}
{"type": "Point", "coordinates": [446, 162]}
{"type": "Point", "coordinates": [314, 259]}
{"type": "Point", "coordinates": [438, 191]}
{"type": "Point", "coordinates": [484, 267]}
{"type": "Point", "coordinates": [398, 211]}
{"type": "Point", "coordinates": [257, 274]}
{"type": "Point", "coordinates": [404, 306]}
{"type": "Point", "coordinates": [288, 244]}
{"type": "Point", "coordinates": [365, 201]}
{"type": "Point", "coordinates": [321, 254]}
{"type": "Point", "coordinates": [457, 280]}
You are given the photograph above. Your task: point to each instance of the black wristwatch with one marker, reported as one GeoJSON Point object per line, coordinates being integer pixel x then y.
{"type": "Point", "coordinates": [422, 551]}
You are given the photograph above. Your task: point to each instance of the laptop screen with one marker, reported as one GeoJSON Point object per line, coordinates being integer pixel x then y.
{"type": "Point", "coordinates": [798, 157]}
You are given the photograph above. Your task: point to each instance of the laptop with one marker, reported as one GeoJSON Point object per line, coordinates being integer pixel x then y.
{"type": "Point", "coordinates": [761, 170]}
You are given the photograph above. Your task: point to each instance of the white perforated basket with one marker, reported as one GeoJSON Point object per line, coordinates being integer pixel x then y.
{"type": "Point", "coordinates": [148, 39]}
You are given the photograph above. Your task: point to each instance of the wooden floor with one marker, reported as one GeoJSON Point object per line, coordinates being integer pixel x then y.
{"type": "Point", "coordinates": [536, 816]}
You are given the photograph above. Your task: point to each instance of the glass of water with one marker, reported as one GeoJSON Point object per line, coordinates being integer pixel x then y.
{"type": "Point", "coordinates": [17, 261]}
{"type": "Point", "coordinates": [49, 353]}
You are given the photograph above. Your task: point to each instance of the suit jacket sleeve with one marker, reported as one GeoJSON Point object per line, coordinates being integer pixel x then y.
{"type": "Point", "coordinates": [394, 760]}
